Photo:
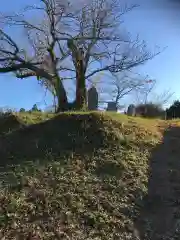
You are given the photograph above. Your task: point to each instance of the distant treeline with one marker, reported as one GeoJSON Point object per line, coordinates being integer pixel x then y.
{"type": "Point", "coordinates": [33, 109]}
{"type": "Point", "coordinates": [151, 110]}
{"type": "Point", "coordinates": [174, 110]}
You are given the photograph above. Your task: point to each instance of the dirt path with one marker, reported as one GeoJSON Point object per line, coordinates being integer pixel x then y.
{"type": "Point", "coordinates": [160, 216]}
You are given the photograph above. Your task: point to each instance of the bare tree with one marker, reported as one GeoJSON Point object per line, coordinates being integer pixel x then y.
{"type": "Point", "coordinates": [42, 38]}
{"type": "Point", "coordinates": [142, 94]}
{"type": "Point", "coordinates": [163, 98]}
{"type": "Point", "coordinates": [115, 86]}
{"type": "Point", "coordinates": [148, 94]}
{"type": "Point", "coordinates": [64, 38]}
{"type": "Point", "coordinates": [109, 47]}
{"type": "Point", "coordinates": [124, 84]}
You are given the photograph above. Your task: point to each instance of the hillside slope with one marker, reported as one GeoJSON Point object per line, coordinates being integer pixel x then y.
{"type": "Point", "coordinates": [78, 176]}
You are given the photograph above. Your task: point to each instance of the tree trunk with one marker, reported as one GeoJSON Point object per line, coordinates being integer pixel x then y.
{"type": "Point", "coordinates": [81, 94]}
{"type": "Point", "coordinates": [62, 101]}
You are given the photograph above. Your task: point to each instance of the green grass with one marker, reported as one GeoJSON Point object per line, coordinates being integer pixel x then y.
{"type": "Point", "coordinates": [74, 175]}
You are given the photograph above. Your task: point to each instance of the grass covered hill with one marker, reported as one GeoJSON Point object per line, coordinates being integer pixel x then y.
{"type": "Point", "coordinates": [78, 176]}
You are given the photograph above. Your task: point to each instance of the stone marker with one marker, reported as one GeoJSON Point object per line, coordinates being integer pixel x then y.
{"type": "Point", "coordinates": [112, 106]}
{"type": "Point", "coordinates": [92, 99]}
{"type": "Point", "coordinates": [131, 110]}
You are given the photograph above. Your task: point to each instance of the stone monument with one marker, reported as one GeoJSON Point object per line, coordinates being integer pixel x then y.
{"type": "Point", "coordinates": [112, 106]}
{"type": "Point", "coordinates": [131, 111]}
{"type": "Point", "coordinates": [92, 99]}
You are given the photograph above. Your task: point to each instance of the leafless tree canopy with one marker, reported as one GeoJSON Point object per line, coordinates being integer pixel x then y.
{"type": "Point", "coordinates": [59, 35]}
{"type": "Point", "coordinates": [116, 86]}
{"type": "Point", "coordinates": [148, 94]}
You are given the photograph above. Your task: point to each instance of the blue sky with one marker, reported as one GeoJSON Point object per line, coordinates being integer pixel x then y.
{"type": "Point", "coordinates": [156, 21]}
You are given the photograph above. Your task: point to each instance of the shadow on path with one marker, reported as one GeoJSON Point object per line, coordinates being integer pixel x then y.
{"type": "Point", "coordinates": [160, 214]}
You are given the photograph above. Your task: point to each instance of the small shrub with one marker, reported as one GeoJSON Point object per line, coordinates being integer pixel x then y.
{"type": "Point", "coordinates": [150, 110]}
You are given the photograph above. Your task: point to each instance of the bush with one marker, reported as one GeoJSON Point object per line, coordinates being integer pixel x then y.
{"type": "Point", "coordinates": [150, 110]}
{"type": "Point", "coordinates": [22, 110]}
{"type": "Point", "coordinates": [4, 112]}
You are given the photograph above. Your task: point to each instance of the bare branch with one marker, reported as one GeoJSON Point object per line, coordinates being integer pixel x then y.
{"type": "Point", "coordinates": [122, 84]}
{"type": "Point", "coordinates": [12, 68]}
{"type": "Point", "coordinates": [8, 39]}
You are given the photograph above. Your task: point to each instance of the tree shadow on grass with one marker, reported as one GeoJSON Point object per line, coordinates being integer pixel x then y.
{"type": "Point", "coordinates": [160, 215]}
{"type": "Point", "coordinates": [58, 137]}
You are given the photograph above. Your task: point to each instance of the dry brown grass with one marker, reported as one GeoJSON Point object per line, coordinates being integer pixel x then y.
{"type": "Point", "coordinates": [75, 176]}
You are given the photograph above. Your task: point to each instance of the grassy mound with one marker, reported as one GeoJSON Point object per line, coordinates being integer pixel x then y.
{"type": "Point", "coordinates": [9, 122]}
{"type": "Point", "coordinates": [74, 176]}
